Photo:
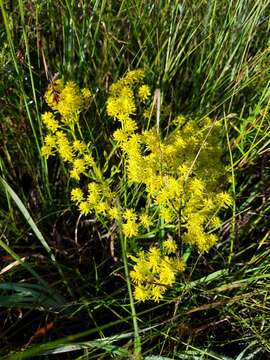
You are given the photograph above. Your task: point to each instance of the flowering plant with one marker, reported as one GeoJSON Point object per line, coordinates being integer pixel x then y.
{"type": "Point", "coordinates": [153, 183]}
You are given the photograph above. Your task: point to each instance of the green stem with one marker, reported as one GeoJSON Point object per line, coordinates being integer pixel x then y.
{"type": "Point", "coordinates": [232, 233]}
{"type": "Point", "coordinates": [137, 339]}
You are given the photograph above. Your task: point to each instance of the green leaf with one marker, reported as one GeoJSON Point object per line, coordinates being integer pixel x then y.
{"type": "Point", "coordinates": [30, 296]}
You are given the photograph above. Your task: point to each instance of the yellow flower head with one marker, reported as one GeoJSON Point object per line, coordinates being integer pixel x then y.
{"type": "Point", "coordinates": [102, 208]}
{"type": "Point", "coordinates": [46, 151]}
{"type": "Point", "coordinates": [85, 208]}
{"type": "Point", "coordinates": [122, 106]}
{"type": "Point", "coordinates": [169, 246]}
{"type": "Point", "coordinates": [129, 215]}
{"type": "Point", "coordinates": [179, 120]}
{"type": "Point", "coordinates": [167, 272]}
{"type": "Point", "coordinates": [87, 95]}
{"type": "Point", "coordinates": [77, 195]}
{"type": "Point", "coordinates": [153, 273]}
{"type": "Point", "coordinates": [50, 140]}
{"type": "Point", "coordinates": [141, 293]}
{"type": "Point", "coordinates": [89, 160]}
{"type": "Point", "coordinates": [133, 76]}
{"type": "Point", "coordinates": [70, 102]}
{"type": "Point", "coordinates": [154, 258]}
{"type": "Point", "coordinates": [145, 220]}
{"type": "Point", "coordinates": [79, 167]}
{"type": "Point", "coordinates": [79, 146]}
{"type": "Point", "coordinates": [120, 136]}
{"type": "Point", "coordinates": [113, 213]}
{"type": "Point", "coordinates": [63, 146]}
{"type": "Point", "coordinates": [94, 191]}
{"type": "Point", "coordinates": [157, 292]}
{"type": "Point", "coordinates": [224, 199]}
{"type": "Point", "coordinates": [144, 92]}
{"type": "Point", "coordinates": [130, 229]}
{"type": "Point", "coordinates": [129, 125]}
{"type": "Point", "coordinates": [166, 214]}
{"type": "Point", "coordinates": [50, 121]}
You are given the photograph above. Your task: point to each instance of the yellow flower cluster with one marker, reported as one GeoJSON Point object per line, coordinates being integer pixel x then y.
{"type": "Point", "coordinates": [130, 227]}
{"type": "Point", "coordinates": [176, 176]}
{"type": "Point", "coordinates": [67, 99]}
{"type": "Point", "coordinates": [123, 105]}
{"type": "Point", "coordinates": [95, 200]}
{"type": "Point", "coordinates": [144, 92]}
{"type": "Point", "coordinates": [133, 223]}
{"type": "Point", "coordinates": [184, 192]}
{"type": "Point", "coordinates": [121, 102]}
{"type": "Point", "coordinates": [154, 271]}
{"type": "Point", "coordinates": [131, 78]}
{"type": "Point", "coordinates": [50, 121]}
{"type": "Point", "coordinates": [180, 174]}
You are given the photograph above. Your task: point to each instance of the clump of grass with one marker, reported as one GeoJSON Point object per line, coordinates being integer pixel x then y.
{"type": "Point", "coordinates": [202, 64]}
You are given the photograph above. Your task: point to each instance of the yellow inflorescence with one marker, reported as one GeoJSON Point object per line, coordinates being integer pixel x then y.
{"type": "Point", "coordinates": [49, 120]}
{"type": "Point", "coordinates": [121, 102]}
{"type": "Point", "coordinates": [77, 195]}
{"type": "Point", "coordinates": [154, 272]}
{"type": "Point", "coordinates": [145, 221]}
{"type": "Point", "coordinates": [184, 191]}
{"type": "Point", "coordinates": [169, 246]}
{"type": "Point", "coordinates": [173, 182]}
{"type": "Point", "coordinates": [144, 92]}
{"type": "Point", "coordinates": [67, 99]}
{"type": "Point", "coordinates": [178, 175]}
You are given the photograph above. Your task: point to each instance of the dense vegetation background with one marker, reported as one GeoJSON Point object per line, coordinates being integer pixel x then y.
{"type": "Point", "coordinates": [62, 293]}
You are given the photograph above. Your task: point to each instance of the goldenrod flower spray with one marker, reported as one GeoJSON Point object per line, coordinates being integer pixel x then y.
{"type": "Point", "coordinates": [175, 176]}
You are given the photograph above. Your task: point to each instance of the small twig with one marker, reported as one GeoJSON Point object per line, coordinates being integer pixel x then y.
{"type": "Point", "coordinates": [13, 264]}
{"type": "Point", "coordinates": [76, 229]}
{"type": "Point", "coordinates": [112, 241]}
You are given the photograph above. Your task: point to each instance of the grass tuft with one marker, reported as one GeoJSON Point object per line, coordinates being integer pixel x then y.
{"type": "Point", "coordinates": [65, 288]}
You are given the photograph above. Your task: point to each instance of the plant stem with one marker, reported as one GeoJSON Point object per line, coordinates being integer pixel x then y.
{"type": "Point", "coordinates": [137, 339]}
{"type": "Point", "coordinates": [232, 233]}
